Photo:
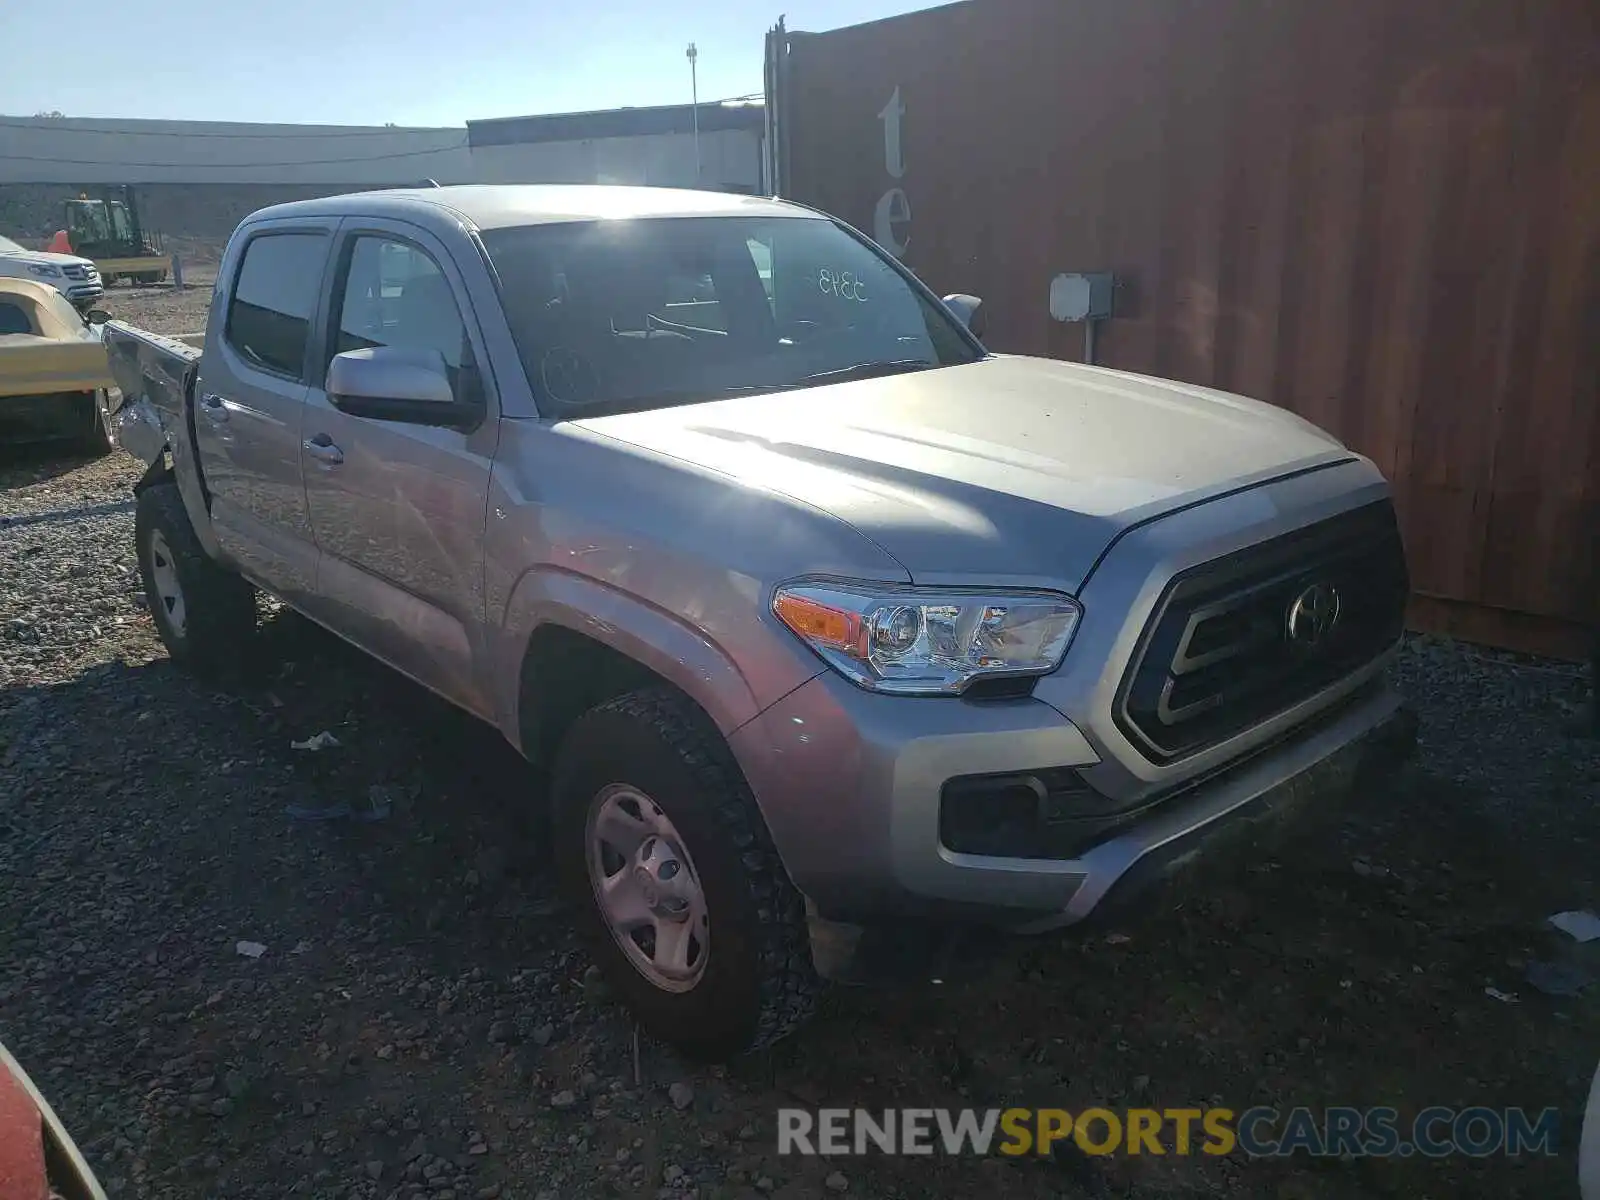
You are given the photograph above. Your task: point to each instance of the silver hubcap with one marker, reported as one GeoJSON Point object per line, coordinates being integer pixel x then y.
{"type": "Point", "coordinates": [647, 889]}
{"type": "Point", "coordinates": [164, 574]}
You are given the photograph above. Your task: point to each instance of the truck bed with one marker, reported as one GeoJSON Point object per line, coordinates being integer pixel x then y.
{"type": "Point", "coordinates": [156, 375]}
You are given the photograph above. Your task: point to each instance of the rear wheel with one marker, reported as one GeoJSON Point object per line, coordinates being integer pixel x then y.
{"type": "Point", "coordinates": [688, 908]}
{"type": "Point", "coordinates": [205, 615]}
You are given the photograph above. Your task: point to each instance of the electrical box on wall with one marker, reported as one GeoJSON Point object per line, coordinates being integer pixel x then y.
{"type": "Point", "coordinates": [1084, 297]}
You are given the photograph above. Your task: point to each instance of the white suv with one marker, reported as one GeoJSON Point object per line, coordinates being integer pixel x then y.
{"type": "Point", "coordinates": [76, 278]}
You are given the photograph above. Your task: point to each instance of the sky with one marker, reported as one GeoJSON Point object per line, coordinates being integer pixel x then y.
{"type": "Point", "coordinates": [412, 62]}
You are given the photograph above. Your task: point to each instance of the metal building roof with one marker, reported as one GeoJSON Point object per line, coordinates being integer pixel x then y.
{"type": "Point", "coordinates": [614, 122]}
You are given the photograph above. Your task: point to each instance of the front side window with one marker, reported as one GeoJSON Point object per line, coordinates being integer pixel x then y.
{"type": "Point", "coordinates": [614, 316]}
{"type": "Point", "coordinates": [396, 295]}
{"type": "Point", "coordinates": [274, 295]}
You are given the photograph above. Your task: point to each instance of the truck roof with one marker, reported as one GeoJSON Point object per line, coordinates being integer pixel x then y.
{"type": "Point", "coordinates": [493, 206]}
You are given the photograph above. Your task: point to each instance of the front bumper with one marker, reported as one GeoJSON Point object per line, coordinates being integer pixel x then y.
{"type": "Point", "coordinates": [850, 785]}
{"type": "Point", "coordinates": [1241, 813]}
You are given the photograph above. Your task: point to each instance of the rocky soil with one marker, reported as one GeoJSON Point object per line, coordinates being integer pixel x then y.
{"type": "Point", "coordinates": [165, 309]}
{"type": "Point", "coordinates": [419, 1020]}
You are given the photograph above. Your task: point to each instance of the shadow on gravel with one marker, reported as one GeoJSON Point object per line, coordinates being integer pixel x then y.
{"type": "Point", "coordinates": [39, 462]}
{"type": "Point", "coordinates": [144, 835]}
{"type": "Point", "coordinates": [420, 984]}
{"type": "Point", "coordinates": [1350, 972]}
{"type": "Point", "coordinates": [462, 804]}
{"type": "Point", "coordinates": [66, 514]}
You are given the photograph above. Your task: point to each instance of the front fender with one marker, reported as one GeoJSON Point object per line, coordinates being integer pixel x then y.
{"type": "Point", "coordinates": [675, 650]}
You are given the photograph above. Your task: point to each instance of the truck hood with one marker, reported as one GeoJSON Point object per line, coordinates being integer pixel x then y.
{"type": "Point", "coordinates": [1010, 470]}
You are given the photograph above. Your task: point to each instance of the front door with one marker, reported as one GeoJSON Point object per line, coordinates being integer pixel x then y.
{"type": "Point", "coordinates": [250, 401]}
{"type": "Point", "coordinates": [398, 510]}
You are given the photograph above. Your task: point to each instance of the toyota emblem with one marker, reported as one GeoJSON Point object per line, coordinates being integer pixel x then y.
{"type": "Point", "coordinates": [1313, 615]}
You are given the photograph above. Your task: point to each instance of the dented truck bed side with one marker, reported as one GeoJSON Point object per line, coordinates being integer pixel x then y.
{"type": "Point", "coordinates": [157, 376]}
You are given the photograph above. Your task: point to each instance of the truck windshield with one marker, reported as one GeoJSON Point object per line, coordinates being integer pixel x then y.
{"type": "Point", "coordinates": [616, 316]}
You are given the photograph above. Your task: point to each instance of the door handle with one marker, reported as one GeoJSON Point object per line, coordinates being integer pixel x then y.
{"type": "Point", "coordinates": [215, 410]}
{"type": "Point", "coordinates": [322, 449]}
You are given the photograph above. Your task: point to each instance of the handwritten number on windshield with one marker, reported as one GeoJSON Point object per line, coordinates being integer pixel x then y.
{"type": "Point", "coordinates": [846, 285]}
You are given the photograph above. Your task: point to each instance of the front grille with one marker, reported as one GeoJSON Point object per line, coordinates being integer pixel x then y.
{"type": "Point", "coordinates": [1218, 656]}
{"type": "Point", "coordinates": [79, 271]}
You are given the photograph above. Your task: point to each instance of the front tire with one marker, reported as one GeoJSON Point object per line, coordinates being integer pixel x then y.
{"type": "Point", "coordinates": [689, 910]}
{"type": "Point", "coordinates": [205, 614]}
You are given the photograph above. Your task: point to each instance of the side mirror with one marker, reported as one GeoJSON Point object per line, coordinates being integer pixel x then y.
{"type": "Point", "coordinates": [392, 383]}
{"type": "Point", "coordinates": [968, 310]}
{"type": "Point", "coordinates": [96, 316]}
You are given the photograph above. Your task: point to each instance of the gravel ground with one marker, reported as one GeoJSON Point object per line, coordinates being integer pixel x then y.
{"type": "Point", "coordinates": [165, 309]}
{"type": "Point", "coordinates": [422, 1022]}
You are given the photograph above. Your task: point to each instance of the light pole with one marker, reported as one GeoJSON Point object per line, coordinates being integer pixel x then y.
{"type": "Point", "coordinates": [694, 91]}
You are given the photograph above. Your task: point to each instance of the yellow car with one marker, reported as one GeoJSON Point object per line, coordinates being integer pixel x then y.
{"type": "Point", "coordinates": [55, 381]}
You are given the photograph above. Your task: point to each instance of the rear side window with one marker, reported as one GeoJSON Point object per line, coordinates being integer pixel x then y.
{"type": "Point", "coordinates": [14, 318]}
{"type": "Point", "coordinates": [274, 295]}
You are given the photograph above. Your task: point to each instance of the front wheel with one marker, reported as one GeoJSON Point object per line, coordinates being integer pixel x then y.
{"type": "Point", "coordinates": [690, 912]}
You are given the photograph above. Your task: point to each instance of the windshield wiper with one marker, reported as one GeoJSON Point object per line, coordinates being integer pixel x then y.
{"type": "Point", "coordinates": [583, 409]}
{"type": "Point", "coordinates": [670, 399]}
{"type": "Point", "coordinates": [700, 395]}
{"type": "Point", "coordinates": [866, 370]}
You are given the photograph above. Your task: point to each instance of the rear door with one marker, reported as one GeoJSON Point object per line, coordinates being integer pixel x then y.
{"type": "Point", "coordinates": [398, 509]}
{"type": "Point", "coordinates": [250, 402]}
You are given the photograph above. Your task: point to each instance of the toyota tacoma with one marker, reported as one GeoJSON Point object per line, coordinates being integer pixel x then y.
{"type": "Point", "coordinates": [825, 621]}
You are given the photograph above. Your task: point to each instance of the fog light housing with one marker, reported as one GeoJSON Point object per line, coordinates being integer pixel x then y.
{"type": "Point", "coordinates": [1051, 813]}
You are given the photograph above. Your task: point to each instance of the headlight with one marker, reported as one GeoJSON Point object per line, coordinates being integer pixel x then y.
{"type": "Point", "coordinates": [927, 641]}
{"type": "Point", "coordinates": [44, 270]}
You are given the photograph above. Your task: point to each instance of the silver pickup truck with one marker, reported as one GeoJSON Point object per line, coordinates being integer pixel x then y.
{"type": "Point", "coordinates": [829, 624]}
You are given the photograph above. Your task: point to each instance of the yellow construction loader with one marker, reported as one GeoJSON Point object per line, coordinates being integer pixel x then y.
{"type": "Point", "coordinates": [107, 230]}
